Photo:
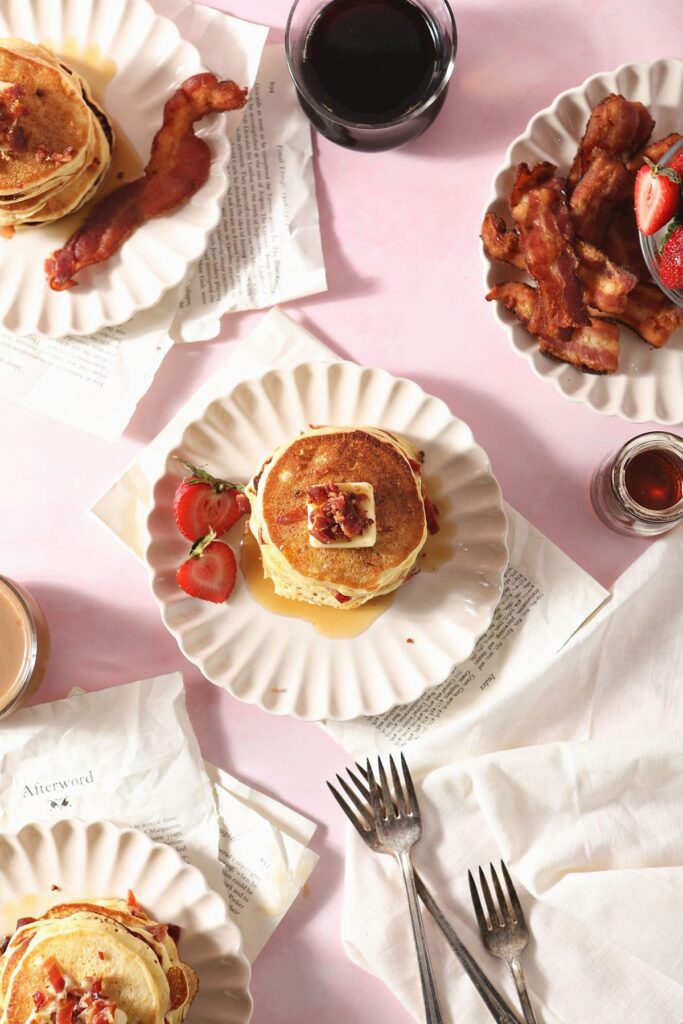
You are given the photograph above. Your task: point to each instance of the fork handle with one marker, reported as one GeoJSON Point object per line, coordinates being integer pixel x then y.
{"type": "Point", "coordinates": [494, 1002]}
{"type": "Point", "coordinates": [431, 1000]}
{"type": "Point", "coordinates": [515, 966]}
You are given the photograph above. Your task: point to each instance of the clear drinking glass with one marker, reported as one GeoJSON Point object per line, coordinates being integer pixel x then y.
{"type": "Point", "coordinates": [353, 60]}
{"type": "Point", "coordinates": [24, 645]}
{"type": "Point", "coordinates": [638, 491]}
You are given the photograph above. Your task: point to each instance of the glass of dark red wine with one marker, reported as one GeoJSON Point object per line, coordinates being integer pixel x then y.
{"type": "Point", "coordinates": [638, 490]}
{"type": "Point", "coordinates": [371, 74]}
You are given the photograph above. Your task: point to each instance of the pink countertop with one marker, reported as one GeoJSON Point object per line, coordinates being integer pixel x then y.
{"type": "Point", "coordinates": [405, 293]}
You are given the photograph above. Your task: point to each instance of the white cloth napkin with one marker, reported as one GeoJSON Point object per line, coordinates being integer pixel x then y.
{"type": "Point", "coordinates": [577, 782]}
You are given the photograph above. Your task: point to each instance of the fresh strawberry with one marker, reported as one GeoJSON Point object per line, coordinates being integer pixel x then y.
{"type": "Point", "coordinates": [210, 571]}
{"type": "Point", "coordinates": [676, 164]}
{"type": "Point", "coordinates": [657, 196]}
{"type": "Point", "coordinates": [671, 260]}
{"type": "Point", "coordinates": [203, 503]}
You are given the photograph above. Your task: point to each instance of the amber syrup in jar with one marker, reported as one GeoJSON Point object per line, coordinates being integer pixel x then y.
{"type": "Point", "coordinates": [639, 490]}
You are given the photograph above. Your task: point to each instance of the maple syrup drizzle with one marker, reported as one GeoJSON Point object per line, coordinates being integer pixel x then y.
{"type": "Point", "coordinates": [98, 70]}
{"type": "Point", "coordinates": [339, 623]}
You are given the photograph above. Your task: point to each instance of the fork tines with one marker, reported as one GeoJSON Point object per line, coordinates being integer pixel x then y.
{"type": "Point", "coordinates": [509, 910]}
{"type": "Point", "coordinates": [376, 798]}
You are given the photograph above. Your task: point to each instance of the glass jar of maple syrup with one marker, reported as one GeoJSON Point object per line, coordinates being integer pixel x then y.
{"type": "Point", "coordinates": [639, 490]}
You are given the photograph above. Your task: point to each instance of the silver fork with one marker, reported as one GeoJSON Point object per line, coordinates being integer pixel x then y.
{"type": "Point", "coordinates": [398, 826]}
{"type": "Point", "coordinates": [357, 809]}
{"type": "Point", "coordinates": [504, 931]}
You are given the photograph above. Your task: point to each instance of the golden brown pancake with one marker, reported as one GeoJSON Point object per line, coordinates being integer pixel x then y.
{"type": "Point", "coordinates": [333, 455]}
{"type": "Point", "coordinates": [62, 151]}
{"type": "Point", "coordinates": [130, 972]}
{"type": "Point", "coordinates": [56, 118]}
{"type": "Point", "coordinates": [115, 944]}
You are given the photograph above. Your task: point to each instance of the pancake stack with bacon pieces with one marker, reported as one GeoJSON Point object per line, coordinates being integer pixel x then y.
{"type": "Point", "coordinates": [577, 239]}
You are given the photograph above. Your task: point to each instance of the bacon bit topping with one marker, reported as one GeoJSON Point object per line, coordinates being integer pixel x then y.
{"type": "Point", "coordinates": [100, 954]}
{"type": "Point", "coordinates": [409, 640]}
{"type": "Point", "coordinates": [174, 932]}
{"type": "Point", "coordinates": [65, 1013]}
{"type": "Point", "coordinates": [54, 975]}
{"type": "Point", "coordinates": [158, 932]}
{"type": "Point", "coordinates": [21, 921]}
{"type": "Point", "coordinates": [342, 598]}
{"type": "Point", "coordinates": [4, 943]}
{"type": "Point", "coordinates": [56, 888]}
{"type": "Point", "coordinates": [57, 158]}
{"type": "Point", "coordinates": [415, 466]}
{"type": "Point", "coordinates": [338, 515]}
{"type": "Point", "coordinates": [431, 514]}
{"type": "Point", "coordinates": [40, 999]}
{"type": "Point", "coordinates": [295, 515]}
{"type": "Point", "coordinates": [133, 905]}
{"type": "Point", "coordinates": [13, 138]}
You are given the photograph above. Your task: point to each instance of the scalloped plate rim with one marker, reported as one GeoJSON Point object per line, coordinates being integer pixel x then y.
{"type": "Point", "coordinates": [425, 682]}
{"type": "Point", "coordinates": [11, 838]}
{"type": "Point", "coordinates": [215, 189]}
{"type": "Point", "coordinates": [508, 324]}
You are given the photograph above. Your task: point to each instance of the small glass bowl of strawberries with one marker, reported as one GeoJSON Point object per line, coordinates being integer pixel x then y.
{"type": "Point", "coordinates": [658, 200]}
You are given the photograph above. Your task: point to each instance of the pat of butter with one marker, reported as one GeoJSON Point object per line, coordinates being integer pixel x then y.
{"type": "Point", "coordinates": [367, 538]}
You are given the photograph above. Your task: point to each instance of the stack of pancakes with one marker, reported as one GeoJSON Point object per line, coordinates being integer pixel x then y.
{"type": "Point", "coordinates": [55, 142]}
{"type": "Point", "coordinates": [348, 576]}
{"type": "Point", "coordinates": [116, 965]}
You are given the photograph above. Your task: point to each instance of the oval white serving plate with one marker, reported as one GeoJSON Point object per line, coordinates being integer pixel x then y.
{"type": "Point", "coordinates": [151, 62]}
{"type": "Point", "coordinates": [283, 664]}
{"type": "Point", "coordinates": [649, 382]}
{"type": "Point", "coordinates": [101, 860]}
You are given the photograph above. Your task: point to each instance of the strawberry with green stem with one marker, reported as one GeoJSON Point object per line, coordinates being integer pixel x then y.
{"type": "Point", "coordinates": [203, 502]}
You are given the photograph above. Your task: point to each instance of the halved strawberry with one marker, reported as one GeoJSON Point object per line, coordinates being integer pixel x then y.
{"type": "Point", "coordinates": [202, 503]}
{"type": "Point", "coordinates": [671, 260]}
{"type": "Point", "coordinates": [210, 570]}
{"type": "Point", "coordinates": [656, 197]}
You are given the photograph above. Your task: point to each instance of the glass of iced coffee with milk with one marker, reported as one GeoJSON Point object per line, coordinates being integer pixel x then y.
{"type": "Point", "coordinates": [24, 645]}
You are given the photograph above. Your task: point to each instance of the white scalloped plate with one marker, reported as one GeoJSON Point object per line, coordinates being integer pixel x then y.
{"type": "Point", "coordinates": [649, 383]}
{"type": "Point", "coordinates": [151, 61]}
{"type": "Point", "coordinates": [101, 860]}
{"type": "Point", "coordinates": [283, 664]}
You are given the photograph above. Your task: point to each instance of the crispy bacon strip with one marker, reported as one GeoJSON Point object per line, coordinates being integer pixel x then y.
{"type": "Point", "coordinates": [179, 165]}
{"type": "Point", "coordinates": [539, 209]}
{"type": "Point", "coordinates": [654, 152]}
{"type": "Point", "coordinates": [621, 242]}
{"type": "Point", "coordinates": [650, 314]}
{"type": "Point", "coordinates": [604, 185]}
{"type": "Point", "coordinates": [593, 348]}
{"type": "Point", "coordinates": [618, 126]}
{"type": "Point", "coordinates": [501, 242]}
{"type": "Point", "coordinates": [604, 284]}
